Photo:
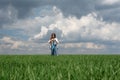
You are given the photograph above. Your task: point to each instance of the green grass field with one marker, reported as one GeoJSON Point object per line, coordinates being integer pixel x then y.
{"type": "Point", "coordinates": [63, 67]}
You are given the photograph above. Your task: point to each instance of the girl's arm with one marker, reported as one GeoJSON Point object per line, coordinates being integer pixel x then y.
{"type": "Point", "coordinates": [57, 40]}
{"type": "Point", "coordinates": [50, 41]}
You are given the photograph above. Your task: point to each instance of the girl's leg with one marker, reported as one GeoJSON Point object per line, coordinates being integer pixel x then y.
{"type": "Point", "coordinates": [55, 52]}
{"type": "Point", "coordinates": [52, 51]}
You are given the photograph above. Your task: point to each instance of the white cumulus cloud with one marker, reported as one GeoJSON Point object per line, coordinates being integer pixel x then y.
{"type": "Point", "coordinates": [43, 32]}
{"type": "Point", "coordinates": [88, 28]}
{"type": "Point", "coordinates": [87, 45]}
{"type": "Point", "coordinates": [8, 42]}
{"type": "Point", "coordinates": [110, 2]}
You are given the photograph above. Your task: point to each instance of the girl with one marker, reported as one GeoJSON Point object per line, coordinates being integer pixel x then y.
{"type": "Point", "coordinates": [53, 41]}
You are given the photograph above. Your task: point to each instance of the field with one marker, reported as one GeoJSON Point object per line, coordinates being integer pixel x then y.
{"type": "Point", "coordinates": [63, 67]}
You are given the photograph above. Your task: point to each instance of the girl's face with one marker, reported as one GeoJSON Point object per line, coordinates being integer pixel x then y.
{"type": "Point", "coordinates": [53, 35]}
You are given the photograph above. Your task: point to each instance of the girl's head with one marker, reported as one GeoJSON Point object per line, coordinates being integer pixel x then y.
{"type": "Point", "coordinates": [53, 35]}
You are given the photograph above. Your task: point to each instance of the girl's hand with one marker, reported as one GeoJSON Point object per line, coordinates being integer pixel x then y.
{"type": "Point", "coordinates": [52, 39]}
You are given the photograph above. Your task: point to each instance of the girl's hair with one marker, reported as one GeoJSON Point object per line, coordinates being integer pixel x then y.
{"type": "Point", "coordinates": [53, 35]}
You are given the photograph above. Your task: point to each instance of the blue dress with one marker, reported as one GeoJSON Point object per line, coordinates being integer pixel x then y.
{"type": "Point", "coordinates": [53, 48]}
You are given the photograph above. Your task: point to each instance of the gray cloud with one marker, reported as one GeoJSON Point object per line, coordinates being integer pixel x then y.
{"type": "Point", "coordinates": [78, 8]}
{"type": "Point", "coordinates": [68, 7]}
{"type": "Point", "coordinates": [11, 10]}
{"type": "Point", "coordinates": [109, 12]}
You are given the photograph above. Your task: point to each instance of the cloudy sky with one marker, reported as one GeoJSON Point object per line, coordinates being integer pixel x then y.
{"type": "Point", "coordinates": [82, 26]}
